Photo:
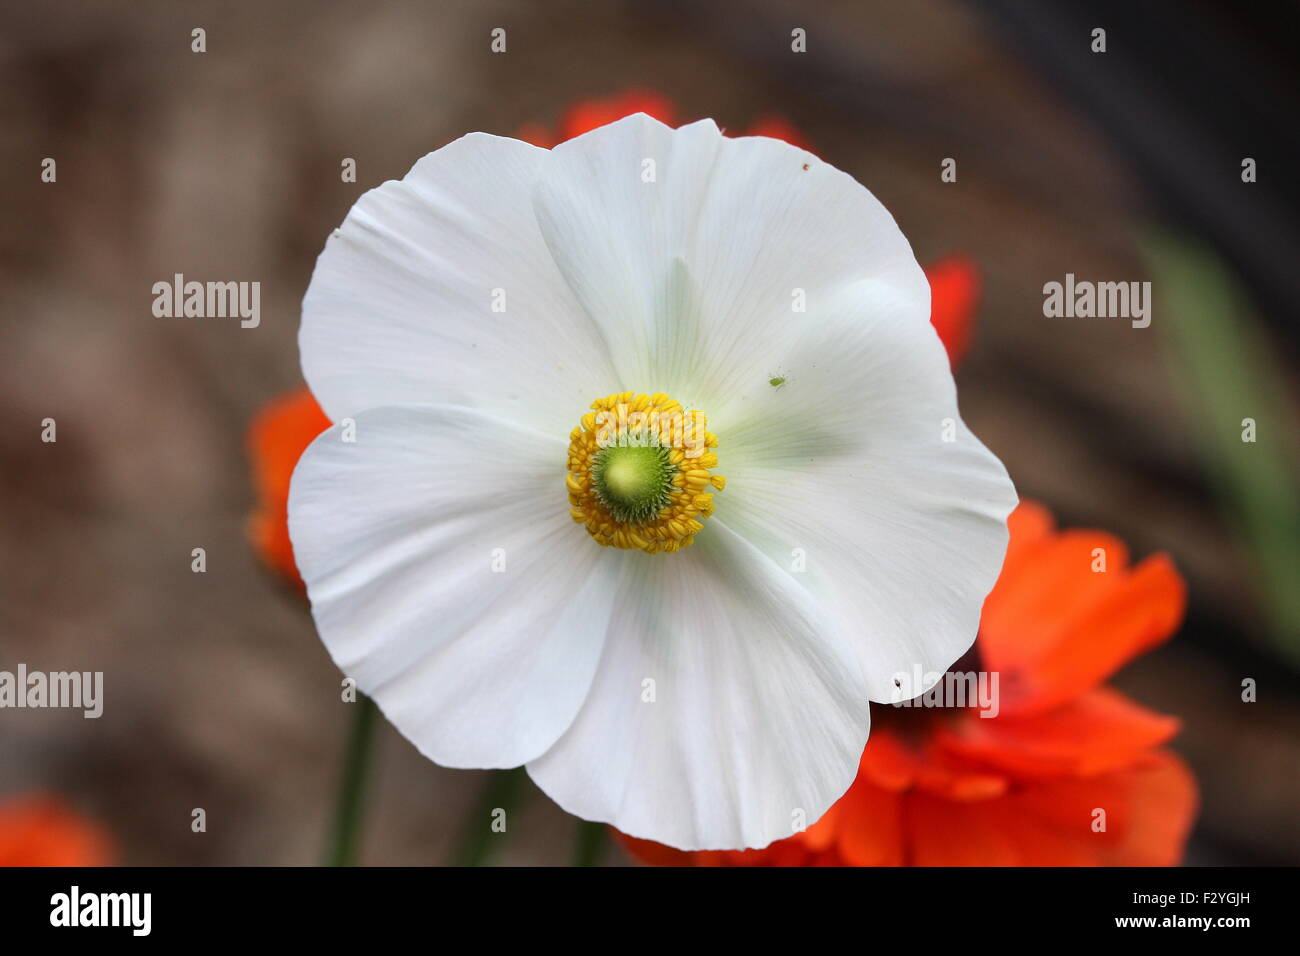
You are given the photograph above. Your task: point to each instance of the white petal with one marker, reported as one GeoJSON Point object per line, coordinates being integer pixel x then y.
{"type": "Point", "coordinates": [757, 716]}
{"type": "Point", "coordinates": [400, 307]}
{"type": "Point", "coordinates": [701, 274]}
{"type": "Point", "coordinates": [396, 535]}
{"type": "Point", "coordinates": [844, 473]}
{"type": "Point", "coordinates": [695, 275]}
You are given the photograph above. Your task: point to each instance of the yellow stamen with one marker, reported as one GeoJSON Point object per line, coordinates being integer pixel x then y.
{"type": "Point", "coordinates": [639, 472]}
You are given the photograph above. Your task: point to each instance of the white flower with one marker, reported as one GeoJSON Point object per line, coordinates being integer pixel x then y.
{"type": "Point", "coordinates": [467, 317]}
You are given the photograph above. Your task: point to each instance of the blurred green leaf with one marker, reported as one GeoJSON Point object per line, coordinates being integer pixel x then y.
{"type": "Point", "coordinates": [1218, 343]}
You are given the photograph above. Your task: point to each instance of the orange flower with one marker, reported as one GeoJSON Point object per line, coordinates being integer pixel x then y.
{"type": "Point", "coordinates": [1063, 757]}
{"type": "Point", "coordinates": [954, 293]}
{"type": "Point", "coordinates": [41, 831]}
{"type": "Point", "coordinates": [586, 115]}
{"type": "Point", "coordinates": [277, 437]}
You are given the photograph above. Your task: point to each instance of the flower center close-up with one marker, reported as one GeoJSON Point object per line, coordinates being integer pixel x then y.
{"type": "Point", "coordinates": [639, 472]}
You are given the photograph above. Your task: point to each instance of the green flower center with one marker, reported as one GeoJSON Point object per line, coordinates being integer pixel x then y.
{"type": "Point", "coordinates": [633, 482]}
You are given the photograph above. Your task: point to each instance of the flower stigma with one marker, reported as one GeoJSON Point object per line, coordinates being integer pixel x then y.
{"type": "Point", "coordinates": [639, 472]}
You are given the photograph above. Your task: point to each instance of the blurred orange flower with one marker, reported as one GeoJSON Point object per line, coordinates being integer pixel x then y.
{"type": "Point", "coordinates": [586, 115]}
{"type": "Point", "coordinates": [947, 787]}
{"type": "Point", "coordinates": [40, 830]}
{"type": "Point", "coordinates": [277, 437]}
{"type": "Point", "coordinates": [954, 293]}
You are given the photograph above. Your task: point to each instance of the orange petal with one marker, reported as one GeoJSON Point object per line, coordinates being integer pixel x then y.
{"type": "Point", "coordinates": [891, 764]}
{"type": "Point", "coordinates": [277, 437]}
{"type": "Point", "coordinates": [42, 831]}
{"type": "Point", "coordinates": [955, 781]}
{"type": "Point", "coordinates": [586, 115]}
{"type": "Point", "coordinates": [1054, 627]}
{"type": "Point", "coordinates": [1027, 611]}
{"type": "Point", "coordinates": [1144, 611]}
{"type": "Point", "coordinates": [1030, 526]}
{"type": "Point", "coordinates": [1148, 812]}
{"type": "Point", "coordinates": [823, 834]}
{"type": "Point", "coordinates": [888, 762]}
{"type": "Point", "coordinates": [870, 826]}
{"type": "Point", "coordinates": [940, 832]}
{"type": "Point", "coordinates": [792, 851]}
{"type": "Point", "coordinates": [954, 295]}
{"type": "Point", "coordinates": [1149, 809]}
{"type": "Point", "coordinates": [1101, 731]}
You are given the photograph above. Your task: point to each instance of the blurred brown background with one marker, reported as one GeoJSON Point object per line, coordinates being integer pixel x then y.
{"type": "Point", "coordinates": [225, 165]}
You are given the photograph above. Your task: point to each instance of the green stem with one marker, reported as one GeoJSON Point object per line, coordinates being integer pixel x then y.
{"type": "Point", "coordinates": [500, 792]}
{"type": "Point", "coordinates": [590, 843]}
{"type": "Point", "coordinates": [345, 832]}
